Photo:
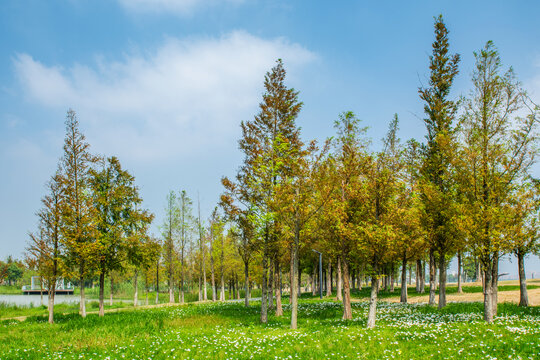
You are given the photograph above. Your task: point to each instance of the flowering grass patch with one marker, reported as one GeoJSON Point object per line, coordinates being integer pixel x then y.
{"type": "Point", "coordinates": [231, 331]}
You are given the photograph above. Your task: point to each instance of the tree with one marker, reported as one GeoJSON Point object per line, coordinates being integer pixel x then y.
{"type": "Point", "coordinates": [523, 229]}
{"type": "Point", "coordinates": [381, 221]}
{"type": "Point", "coordinates": [120, 225]}
{"type": "Point", "coordinates": [267, 142]}
{"type": "Point", "coordinates": [301, 194]}
{"type": "Point", "coordinates": [437, 186]}
{"type": "Point", "coordinates": [14, 273]}
{"type": "Point", "coordinates": [350, 161]}
{"type": "Point", "coordinates": [46, 247]}
{"type": "Point", "coordinates": [169, 230]}
{"type": "Point", "coordinates": [202, 254]}
{"type": "Point", "coordinates": [498, 151]}
{"type": "Point", "coordinates": [186, 228]}
{"type": "Point", "coordinates": [78, 233]}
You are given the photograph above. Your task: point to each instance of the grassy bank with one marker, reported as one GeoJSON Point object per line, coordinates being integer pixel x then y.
{"type": "Point", "coordinates": [9, 311]}
{"type": "Point", "coordinates": [229, 330]}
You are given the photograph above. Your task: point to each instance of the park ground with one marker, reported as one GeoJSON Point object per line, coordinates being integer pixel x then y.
{"type": "Point", "coordinates": [230, 331]}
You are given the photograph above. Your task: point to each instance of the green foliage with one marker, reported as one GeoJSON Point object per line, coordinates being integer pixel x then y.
{"type": "Point", "coordinates": [14, 273]}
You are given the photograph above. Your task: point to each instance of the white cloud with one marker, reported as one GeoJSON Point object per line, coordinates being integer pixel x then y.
{"type": "Point", "coordinates": [185, 96]}
{"type": "Point", "coordinates": [180, 7]}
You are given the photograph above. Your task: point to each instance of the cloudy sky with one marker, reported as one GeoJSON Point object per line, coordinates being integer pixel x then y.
{"type": "Point", "coordinates": [164, 84]}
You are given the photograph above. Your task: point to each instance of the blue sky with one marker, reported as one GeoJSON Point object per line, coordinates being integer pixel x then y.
{"type": "Point", "coordinates": [164, 84]}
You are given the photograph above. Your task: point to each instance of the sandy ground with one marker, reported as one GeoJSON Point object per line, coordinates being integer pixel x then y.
{"type": "Point", "coordinates": [503, 296]}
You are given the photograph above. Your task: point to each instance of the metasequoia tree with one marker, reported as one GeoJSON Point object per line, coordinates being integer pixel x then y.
{"type": "Point", "coordinates": [202, 254]}
{"type": "Point", "coordinates": [187, 222]}
{"type": "Point", "coordinates": [150, 253]}
{"type": "Point", "coordinates": [78, 231]}
{"type": "Point", "coordinates": [120, 225]}
{"type": "Point", "coordinates": [267, 143]}
{"type": "Point", "coordinates": [437, 185]}
{"type": "Point", "coordinates": [413, 242]}
{"type": "Point", "coordinates": [300, 195]}
{"type": "Point", "coordinates": [523, 229]}
{"type": "Point", "coordinates": [349, 161]}
{"type": "Point", "coordinates": [169, 232]}
{"type": "Point", "coordinates": [379, 215]}
{"type": "Point", "coordinates": [214, 228]}
{"type": "Point", "coordinates": [46, 247]}
{"type": "Point", "coordinates": [498, 151]}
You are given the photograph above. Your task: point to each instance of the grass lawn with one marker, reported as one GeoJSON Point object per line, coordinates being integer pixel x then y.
{"type": "Point", "coordinates": [8, 311]}
{"type": "Point", "coordinates": [229, 330]}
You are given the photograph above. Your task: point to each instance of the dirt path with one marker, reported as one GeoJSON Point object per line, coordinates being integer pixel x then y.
{"type": "Point", "coordinates": [503, 296]}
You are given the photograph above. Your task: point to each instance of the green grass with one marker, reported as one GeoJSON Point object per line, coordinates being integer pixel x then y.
{"type": "Point", "coordinates": [229, 330]}
{"type": "Point", "coordinates": [8, 311]}
{"type": "Point", "coordinates": [10, 290]}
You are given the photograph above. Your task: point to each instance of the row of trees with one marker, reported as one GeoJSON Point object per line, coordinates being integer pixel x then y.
{"type": "Point", "coordinates": [11, 271]}
{"type": "Point", "coordinates": [466, 189]}
{"type": "Point", "coordinates": [90, 222]}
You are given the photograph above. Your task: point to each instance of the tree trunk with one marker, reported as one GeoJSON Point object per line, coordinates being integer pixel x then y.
{"type": "Point", "coordinates": [101, 292]}
{"type": "Point", "coordinates": [200, 288]}
{"type": "Point", "coordinates": [171, 291]}
{"type": "Point", "coordinates": [295, 277]}
{"type": "Point", "coordinates": [495, 283]}
{"type": "Point", "coordinates": [418, 275]}
{"type": "Point", "coordinates": [264, 290]}
{"type": "Point", "coordinates": [432, 274]}
{"type": "Point", "coordinates": [214, 294]}
{"type": "Point", "coordinates": [136, 286]}
{"type": "Point", "coordinates": [222, 279]}
{"type": "Point", "coordinates": [182, 275]}
{"type": "Point", "coordinates": [523, 296]}
{"type": "Point", "coordinates": [488, 296]}
{"type": "Point", "coordinates": [332, 270]}
{"type": "Point", "coordinates": [52, 288]}
{"type": "Point", "coordinates": [329, 279]}
{"type": "Point", "coordinates": [361, 277]}
{"type": "Point", "coordinates": [422, 277]}
{"type": "Point", "coordinates": [222, 286]}
{"type": "Point", "coordinates": [246, 276]}
{"type": "Point", "coordinates": [373, 302]}
{"type": "Point", "coordinates": [237, 286]}
{"type": "Point", "coordinates": [403, 298]}
{"type": "Point", "coordinates": [339, 296]}
{"type": "Point", "coordinates": [146, 300]}
{"type": "Point", "coordinates": [442, 281]}
{"type": "Point", "coordinates": [205, 294]}
{"type": "Point", "coordinates": [347, 310]}
{"type": "Point", "coordinates": [279, 307]}
{"type": "Point", "coordinates": [392, 271]}
{"type": "Point", "coordinates": [83, 300]}
{"type": "Point", "coordinates": [313, 279]}
{"type": "Point", "coordinates": [459, 289]}
{"type": "Point", "coordinates": [157, 282]}
{"type": "Point", "coordinates": [271, 285]}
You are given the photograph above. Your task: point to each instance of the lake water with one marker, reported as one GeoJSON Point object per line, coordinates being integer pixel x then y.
{"type": "Point", "coordinates": [35, 300]}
